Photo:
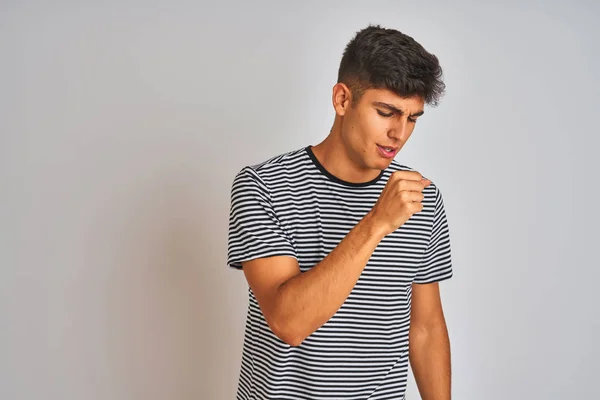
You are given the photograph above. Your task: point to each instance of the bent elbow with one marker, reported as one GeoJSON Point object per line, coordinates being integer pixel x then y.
{"type": "Point", "coordinates": [288, 334]}
{"type": "Point", "coordinates": [293, 340]}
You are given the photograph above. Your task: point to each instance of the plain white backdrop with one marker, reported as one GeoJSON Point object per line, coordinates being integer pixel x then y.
{"type": "Point", "coordinates": [123, 124]}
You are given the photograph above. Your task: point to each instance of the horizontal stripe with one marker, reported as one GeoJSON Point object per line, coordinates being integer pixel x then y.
{"type": "Point", "coordinates": [289, 206]}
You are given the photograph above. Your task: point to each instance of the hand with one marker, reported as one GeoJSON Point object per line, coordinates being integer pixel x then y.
{"type": "Point", "coordinates": [400, 198]}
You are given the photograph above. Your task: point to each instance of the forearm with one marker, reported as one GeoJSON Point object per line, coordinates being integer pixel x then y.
{"type": "Point", "coordinates": [308, 300]}
{"type": "Point", "coordinates": [429, 353]}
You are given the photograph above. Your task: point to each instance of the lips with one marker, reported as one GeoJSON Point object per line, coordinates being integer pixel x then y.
{"type": "Point", "coordinates": [388, 152]}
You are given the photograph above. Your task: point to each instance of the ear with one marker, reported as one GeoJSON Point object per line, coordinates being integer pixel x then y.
{"type": "Point", "coordinates": [342, 98]}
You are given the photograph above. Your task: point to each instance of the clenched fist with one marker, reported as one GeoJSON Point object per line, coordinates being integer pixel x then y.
{"type": "Point", "coordinates": [400, 198]}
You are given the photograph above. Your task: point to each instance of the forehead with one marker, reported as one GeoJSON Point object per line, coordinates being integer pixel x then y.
{"type": "Point", "coordinates": [413, 104]}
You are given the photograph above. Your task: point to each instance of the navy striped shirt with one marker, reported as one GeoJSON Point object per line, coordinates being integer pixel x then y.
{"type": "Point", "coordinates": [290, 205]}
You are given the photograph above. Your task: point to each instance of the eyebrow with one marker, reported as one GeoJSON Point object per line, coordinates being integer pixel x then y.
{"type": "Point", "coordinates": [396, 109]}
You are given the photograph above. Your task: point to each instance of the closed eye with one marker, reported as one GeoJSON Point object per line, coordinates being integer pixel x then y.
{"type": "Point", "coordinates": [388, 115]}
{"type": "Point", "coordinates": [384, 114]}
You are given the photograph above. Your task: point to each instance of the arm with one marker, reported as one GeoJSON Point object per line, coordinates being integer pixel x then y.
{"type": "Point", "coordinates": [429, 345]}
{"type": "Point", "coordinates": [296, 304]}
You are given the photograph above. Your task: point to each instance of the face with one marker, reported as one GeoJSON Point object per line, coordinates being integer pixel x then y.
{"type": "Point", "coordinates": [376, 129]}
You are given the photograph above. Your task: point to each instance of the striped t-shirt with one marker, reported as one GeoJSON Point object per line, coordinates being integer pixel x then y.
{"type": "Point", "coordinates": [290, 205]}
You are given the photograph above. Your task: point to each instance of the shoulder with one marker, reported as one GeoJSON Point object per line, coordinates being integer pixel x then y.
{"type": "Point", "coordinates": [274, 169]}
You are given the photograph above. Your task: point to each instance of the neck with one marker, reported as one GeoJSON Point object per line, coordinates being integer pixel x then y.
{"type": "Point", "coordinates": [338, 159]}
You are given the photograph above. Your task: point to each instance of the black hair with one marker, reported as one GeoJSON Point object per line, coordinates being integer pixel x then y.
{"type": "Point", "coordinates": [383, 58]}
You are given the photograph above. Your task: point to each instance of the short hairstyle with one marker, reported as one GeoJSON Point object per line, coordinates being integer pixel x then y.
{"type": "Point", "coordinates": [381, 58]}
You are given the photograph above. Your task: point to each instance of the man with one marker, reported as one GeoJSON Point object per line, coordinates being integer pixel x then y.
{"type": "Point", "coordinates": [343, 247]}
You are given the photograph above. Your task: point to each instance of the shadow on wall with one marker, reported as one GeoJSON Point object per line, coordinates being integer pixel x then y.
{"type": "Point", "coordinates": [175, 311]}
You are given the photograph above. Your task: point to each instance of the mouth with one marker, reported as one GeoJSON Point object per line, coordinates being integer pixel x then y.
{"type": "Point", "coordinates": [388, 152]}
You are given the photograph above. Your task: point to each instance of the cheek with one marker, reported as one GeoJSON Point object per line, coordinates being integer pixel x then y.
{"type": "Point", "coordinates": [374, 125]}
{"type": "Point", "coordinates": [353, 126]}
{"type": "Point", "coordinates": [365, 127]}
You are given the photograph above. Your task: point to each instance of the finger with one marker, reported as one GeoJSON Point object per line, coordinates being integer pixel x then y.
{"type": "Point", "coordinates": [407, 175]}
{"type": "Point", "coordinates": [416, 197]}
{"type": "Point", "coordinates": [414, 186]}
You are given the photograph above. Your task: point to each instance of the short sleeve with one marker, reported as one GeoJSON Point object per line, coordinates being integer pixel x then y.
{"type": "Point", "coordinates": [254, 229]}
{"type": "Point", "coordinates": [436, 263]}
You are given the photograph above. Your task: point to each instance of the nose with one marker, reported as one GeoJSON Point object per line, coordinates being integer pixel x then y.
{"type": "Point", "coordinates": [399, 131]}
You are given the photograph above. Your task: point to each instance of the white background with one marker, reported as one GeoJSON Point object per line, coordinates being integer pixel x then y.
{"type": "Point", "coordinates": [123, 125]}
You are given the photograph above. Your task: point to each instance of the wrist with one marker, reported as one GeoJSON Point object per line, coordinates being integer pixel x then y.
{"type": "Point", "coordinates": [373, 227]}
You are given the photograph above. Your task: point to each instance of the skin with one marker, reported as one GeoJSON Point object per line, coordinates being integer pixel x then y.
{"type": "Point", "coordinates": [350, 151]}
{"type": "Point", "coordinates": [296, 304]}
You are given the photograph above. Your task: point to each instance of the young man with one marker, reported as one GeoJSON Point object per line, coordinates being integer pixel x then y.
{"type": "Point", "coordinates": [343, 247]}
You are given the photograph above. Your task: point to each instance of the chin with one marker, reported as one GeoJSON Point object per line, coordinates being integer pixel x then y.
{"type": "Point", "coordinates": [381, 164]}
